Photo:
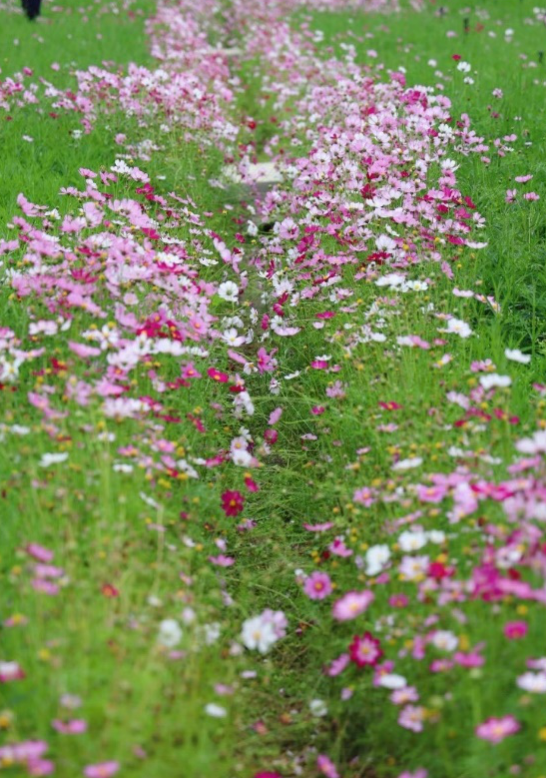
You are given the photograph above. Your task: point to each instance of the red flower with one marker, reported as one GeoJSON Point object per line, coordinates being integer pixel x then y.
{"type": "Point", "coordinates": [232, 503]}
{"type": "Point", "coordinates": [365, 650]}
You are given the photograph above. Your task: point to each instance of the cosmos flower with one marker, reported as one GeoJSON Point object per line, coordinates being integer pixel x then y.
{"type": "Point", "coordinates": [317, 586]}
{"type": "Point", "coordinates": [232, 503]}
{"type": "Point", "coordinates": [365, 650]}
{"type": "Point", "coordinates": [497, 729]}
{"type": "Point", "coordinates": [351, 605]}
{"type": "Point", "coordinates": [102, 770]}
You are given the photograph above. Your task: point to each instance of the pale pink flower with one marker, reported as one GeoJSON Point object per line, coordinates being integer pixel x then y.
{"type": "Point", "coordinates": [497, 729]}
{"type": "Point", "coordinates": [103, 770]}
{"type": "Point", "coordinates": [351, 605]}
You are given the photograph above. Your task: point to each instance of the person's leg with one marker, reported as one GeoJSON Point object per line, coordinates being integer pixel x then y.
{"type": "Point", "coordinates": [31, 8]}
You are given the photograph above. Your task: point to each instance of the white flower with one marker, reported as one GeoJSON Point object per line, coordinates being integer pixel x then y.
{"type": "Point", "coordinates": [458, 327]}
{"type": "Point", "coordinates": [449, 164]}
{"type": "Point", "coordinates": [517, 356]}
{"type": "Point", "coordinates": [532, 682]}
{"type": "Point", "coordinates": [170, 633]}
{"type": "Point", "coordinates": [258, 634]}
{"type": "Point", "coordinates": [228, 291]}
{"type": "Point", "coordinates": [445, 640]}
{"type": "Point", "coordinates": [436, 536]}
{"type": "Point", "coordinates": [383, 243]}
{"type": "Point", "coordinates": [392, 681]}
{"type": "Point", "coordinates": [407, 464]}
{"type": "Point", "coordinates": [533, 445]}
{"type": "Point", "coordinates": [318, 708]}
{"type": "Point", "coordinates": [413, 568]}
{"type": "Point", "coordinates": [376, 557]}
{"type": "Point", "coordinates": [412, 541]}
{"type": "Point", "coordinates": [52, 459]}
{"type": "Point", "coordinates": [492, 380]}
{"type": "Point", "coordinates": [232, 337]}
{"type": "Point", "coordinates": [414, 286]}
{"type": "Point", "coordinates": [214, 710]}
{"type": "Point", "coordinates": [391, 279]}
{"type": "Point", "coordinates": [464, 67]}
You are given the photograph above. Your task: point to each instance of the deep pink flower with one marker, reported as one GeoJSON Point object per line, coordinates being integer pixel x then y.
{"type": "Point", "coordinates": [267, 775]}
{"type": "Point", "coordinates": [217, 375]}
{"type": "Point", "coordinates": [318, 586]}
{"type": "Point", "coordinates": [398, 601]}
{"type": "Point", "coordinates": [351, 605]}
{"type": "Point", "coordinates": [495, 730]}
{"type": "Point", "coordinates": [514, 630]}
{"type": "Point", "coordinates": [232, 503]}
{"type": "Point", "coordinates": [365, 650]}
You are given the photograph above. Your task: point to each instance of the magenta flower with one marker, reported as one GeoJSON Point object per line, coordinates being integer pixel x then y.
{"type": "Point", "coordinates": [318, 586]}
{"type": "Point", "coordinates": [365, 650]}
{"type": "Point", "coordinates": [267, 774]}
{"type": "Point", "coordinates": [232, 503]}
{"type": "Point", "coordinates": [327, 767]}
{"type": "Point", "coordinates": [495, 730]}
{"type": "Point", "coordinates": [217, 375]}
{"type": "Point", "coordinates": [351, 605]}
{"type": "Point", "coordinates": [103, 770]}
{"type": "Point", "coordinates": [515, 630]}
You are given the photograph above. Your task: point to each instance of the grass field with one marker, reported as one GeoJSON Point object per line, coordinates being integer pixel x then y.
{"type": "Point", "coordinates": [272, 485]}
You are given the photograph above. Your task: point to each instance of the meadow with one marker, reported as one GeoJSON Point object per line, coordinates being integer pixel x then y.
{"type": "Point", "coordinates": [272, 466]}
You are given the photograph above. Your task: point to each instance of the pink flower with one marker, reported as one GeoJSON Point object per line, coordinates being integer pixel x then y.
{"type": "Point", "coordinates": [419, 773]}
{"type": "Point", "coordinates": [495, 730]}
{"type": "Point", "coordinates": [531, 196]}
{"type": "Point", "coordinates": [103, 770]}
{"type": "Point", "coordinates": [338, 665]}
{"type": "Point", "coordinates": [510, 195]}
{"type": "Point", "coordinates": [365, 650]}
{"type": "Point", "coordinates": [523, 179]}
{"type": "Point", "coordinates": [232, 503]}
{"type": "Point", "coordinates": [221, 560]}
{"type": "Point", "coordinates": [412, 717]}
{"type": "Point", "coordinates": [318, 586]}
{"type": "Point", "coordinates": [73, 727]}
{"type": "Point", "coordinates": [433, 494]}
{"type": "Point", "coordinates": [39, 552]}
{"type": "Point", "coordinates": [351, 605]}
{"type": "Point", "coordinates": [364, 496]}
{"type": "Point", "coordinates": [327, 767]}
{"type": "Point", "coordinates": [514, 630]}
{"type": "Point", "coordinates": [404, 696]}
{"type": "Point", "coordinates": [40, 767]}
